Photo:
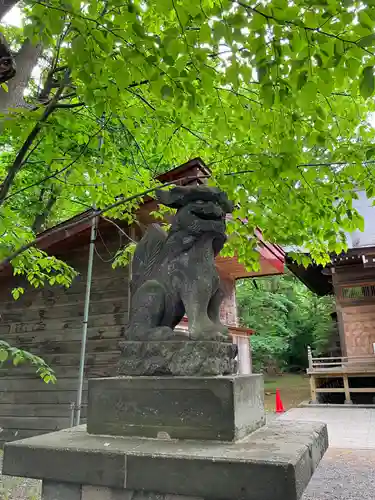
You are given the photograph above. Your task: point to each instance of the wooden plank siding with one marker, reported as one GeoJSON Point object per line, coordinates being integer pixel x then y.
{"type": "Point", "coordinates": [48, 322]}
{"type": "Point", "coordinates": [356, 312]}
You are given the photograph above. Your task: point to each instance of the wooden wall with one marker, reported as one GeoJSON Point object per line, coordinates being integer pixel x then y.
{"type": "Point", "coordinates": [48, 322]}
{"type": "Point", "coordinates": [359, 328]}
{"type": "Point", "coordinates": [355, 308]}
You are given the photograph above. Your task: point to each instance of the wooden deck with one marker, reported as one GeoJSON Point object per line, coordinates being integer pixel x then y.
{"type": "Point", "coordinates": [345, 368]}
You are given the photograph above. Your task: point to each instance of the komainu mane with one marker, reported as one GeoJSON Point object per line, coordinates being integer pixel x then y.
{"type": "Point", "coordinates": [175, 272]}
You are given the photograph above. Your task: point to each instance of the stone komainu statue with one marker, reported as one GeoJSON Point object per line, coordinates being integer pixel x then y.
{"type": "Point", "coordinates": [174, 272]}
{"type": "Point", "coordinates": [7, 63]}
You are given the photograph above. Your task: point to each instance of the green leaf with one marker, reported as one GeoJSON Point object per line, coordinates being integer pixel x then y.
{"type": "Point", "coordinates": [370, 153]}
{"type": "Point", "coordinates": [306, 260]}
{"type": "Point", "coordinates": [4, 86]}
{"type": "Point", "coordinates": [361, 223]}
{"type": "Point", "coordinates": [262, 73]}
{"type": "Point", "coordinates": [268, 95]}
{"type": "Point", "coordinates": [367, 41]}
{"type": "Point", "coordinates": [318, 59]}
{"type": "Point", "coordinates": [353, 66]}
{"type": "Point", "coordinates": [166, 91]}
{"type": "Point", "coordinates": [365, 20]}
{"type": "Point", "coordinates": [205, 33]}
{"type": "Point", "coordinates": [302, 79]}
{"type": "Point", "coordinates": [18, 358]}
{"type": "Point", "coordinates": [232, 73]}
{"type": "Point", "coordinates": [367, 84]}
{"type": "Point", "coordinates": [3, 355]}
{"type": "Point", "coordinates": [309, 91]}
{"type": "Point", "coordinates": [17, 292]}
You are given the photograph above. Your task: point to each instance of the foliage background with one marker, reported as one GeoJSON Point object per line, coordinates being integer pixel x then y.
{"type": "Point", "coordinates": [287, 318]}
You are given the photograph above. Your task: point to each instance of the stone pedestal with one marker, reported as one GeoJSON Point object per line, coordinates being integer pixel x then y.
{"type": "Point", "coordinates": [183, 438]}
{"type": "Point", "coordinates": [221, 408]}
{"type": "Point", "coordinates": [181, 357]}
{"type": "Point", "coordinates": [275, 462]}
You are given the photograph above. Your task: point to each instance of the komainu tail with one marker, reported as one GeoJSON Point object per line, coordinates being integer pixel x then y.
{"type": "Point", "coordinates": [146, 255]}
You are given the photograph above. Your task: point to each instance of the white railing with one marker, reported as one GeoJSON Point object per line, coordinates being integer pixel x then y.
{"type": "Point", "coordinates": [342, 362]}
{"type": "Point", "coordinates": [343, 367]}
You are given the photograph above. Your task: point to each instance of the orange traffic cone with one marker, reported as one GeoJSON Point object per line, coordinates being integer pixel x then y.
{"type": "Point", "coordinates": [279, 403]}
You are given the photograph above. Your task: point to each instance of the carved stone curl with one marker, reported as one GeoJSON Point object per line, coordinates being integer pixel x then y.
{"type": "Point", "coordinates": [174, 273]}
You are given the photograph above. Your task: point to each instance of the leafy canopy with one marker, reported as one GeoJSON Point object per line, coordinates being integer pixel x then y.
{"type": "Point", "coordinates": [275, 96]}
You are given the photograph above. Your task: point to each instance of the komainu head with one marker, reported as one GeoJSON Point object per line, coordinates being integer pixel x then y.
{"type": "Point", "coordinates": [200, 209]}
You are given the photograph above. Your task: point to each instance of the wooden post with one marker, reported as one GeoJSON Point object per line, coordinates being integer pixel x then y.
{"type": "Point", "coordinates": [313, 389]}
{"type": "Point", "coordinates": [309, 357]}
{"type": "Point", "coordinates": [250, 355]}
{"type": "Point", "coordinates": [348, 401]}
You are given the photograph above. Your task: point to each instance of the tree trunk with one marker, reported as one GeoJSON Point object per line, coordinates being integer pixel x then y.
{"type": "Point", "coordinates": [5, 6]}
{"type": "Point", "coordinates": [41, 218]}
{"type": "Point", "coordinates": [26, 59]}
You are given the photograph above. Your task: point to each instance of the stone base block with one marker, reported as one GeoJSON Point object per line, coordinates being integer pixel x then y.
{"type": "Point", "coordinates": [99, 493]}
{"type": "Point", "coordinates": [177, 357]}
{"type": "Point", "coordinates": [222, 408]}
{"type": "Point", "coordinates": [61, 491]}
{"type": "Point", "coordinates": [275, 462]}
{"type": "Point", "coordinates": [66, 491]}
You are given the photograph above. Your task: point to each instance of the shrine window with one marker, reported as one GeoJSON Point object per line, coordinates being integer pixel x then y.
{"type": "Point", "coordinates": [357, 292]}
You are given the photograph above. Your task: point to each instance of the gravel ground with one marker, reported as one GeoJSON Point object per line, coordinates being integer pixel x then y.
{"type": "Point", "coordinates": [18, 488]}
{"type": "Point", "coordinates": [343, 475]}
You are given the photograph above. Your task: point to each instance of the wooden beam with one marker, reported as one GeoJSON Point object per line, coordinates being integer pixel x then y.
{"type": "Point", "coordinates": [342, 389]}
{"type": "Point", "coordinates": [362, 389]}
{"type": "Point", "coordinates": [330, 389]}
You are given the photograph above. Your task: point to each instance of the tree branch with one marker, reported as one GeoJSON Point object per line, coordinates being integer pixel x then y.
{"type": "Point", "coordinates": [5, 6]}
{"type": "Point", "coordinates": [302, 26]}
{"type": "Point", "coordinates": [69, 106]}
{"type": "Point", "coordinates": [194, 134]}
{"type": "Point", "coordinates": [19, 160]}
{"type": "Point", "coordinates": [64, 169]}
{"type": "Point", "coordinates": [145, 101]}
{"type": "Point", "coordinates": [136, 144]}
{"type": "Point", "coordinates": [41, 218]}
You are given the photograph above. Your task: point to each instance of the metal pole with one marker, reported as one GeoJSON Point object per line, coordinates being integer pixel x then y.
{"type": "Point", "coordinates": [78, 404]}
{"type": "Point", "coordinates": [130, 265]}
{"type": "Point", "coordinates": [85, 321]}
{"type": "Point", "coordinates": [72, 413]}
